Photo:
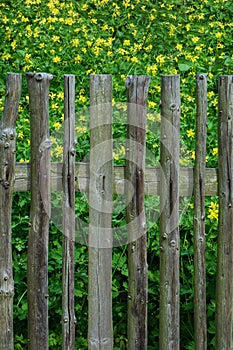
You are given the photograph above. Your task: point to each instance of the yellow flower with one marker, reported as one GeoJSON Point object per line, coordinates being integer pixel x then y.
{"type": "Point", "coordinates": [215, 151]}
{"type": "Point", "coordinates": [210, 94]}
{"type": "Point", "coordinates": [6, 57]}
{"type": "Point", "coordinates": [13, 44]}
{"type": "Point", "coordinates": [27, 57]}
{"type": "Point", "coordinates": [152, 69]}
{"type": "Point", "coordinates": [20, 134]}
{"type": "Point", "coordinates": [84, 7]}
{"type": "Point", "coordinates": [78, 59]}
{"type": "Point", "coordinates": [105, 27]}
{"type": "Point", "coordinates": [122, 150]}
{"type": "Point", "coordinates": [195, 39]}
{"type": "Point", "coordinates": [75, 42]}
{"type": "Point", "coordinates": [56, 59]}
{"type": "Point", "coordinates": [151, 104]}
{"type": "Point", "coordinates": [82, 118]}
{"type": "Point", "coordinates": [56, 38]}
{"type": "Point", "coordinates": [57, 125]}
{"type": "Point", "coordinates": [69, 21]}
{"type": "Point", "coordinates": [220, 46]}
{"type": "Point", "coordinates": [190, 133]}
{"type": "Point", "coordinates": [58, 151]}
{"type": "Point", "coordinates": [160, 59]}
{"type": "Point", "coordinates": [218, 35]}
{"type": "Point", "coordinates": [115, 156]}
{"type": "Point", "coordinates": [126, 43]}
{"type": "Point", "coordinates": [134, 59]}
{"type": "Point", "coordinates": [151, 117]}
{"type": "Point", "coordinates": [179, 47]}
{"type": "Point", "coordinates": [213, 211]}
{"type": "Point", "coordinates": [81, 129]}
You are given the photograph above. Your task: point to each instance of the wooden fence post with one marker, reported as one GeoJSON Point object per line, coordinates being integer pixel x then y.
{"type": "Point", "coordinates": [7, 168]}
{"type": "Point", "coordinates": [169, 219]}
{"type": "Point", "coordinates": [137, 92]}
{"type": "Point", "coordinates": [100, 330]}
{"type": "Point", "coordinates": [224, 286]}
{"type": "Point", "coordinates": [68, 314]}
{"type": "Point", "coordinates": [38, 86]}
{"type": "Point", "coordinates": [200, 327]}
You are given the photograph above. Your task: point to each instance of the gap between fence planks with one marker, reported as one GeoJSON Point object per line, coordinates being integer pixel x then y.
{"type": "Point", "coordinates": [37, 267]}
{"type": "Point", "coordinates": [7, 167]}
{"type": "Point", "coordinates": [68, 213]}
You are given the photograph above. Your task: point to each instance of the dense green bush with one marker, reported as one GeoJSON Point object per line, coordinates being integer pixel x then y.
{"type": "Point", "coordinates": [122, 38]}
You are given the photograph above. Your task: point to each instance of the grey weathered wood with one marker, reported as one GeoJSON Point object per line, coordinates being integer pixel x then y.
{"type": "Point", "coordinates": [224, 279]}
{"type": "Point", "coordinates": [68, 209]}
{"type": "Point", "coordinates": [100, 329]}
{"type": "Point", "coordinates": [7, 167]}
{"type": "Point", "coordinates": [200, 326]}
{"type": "Point", "coordinates": [169, 218]}
{"type": "Point", "coordinates": [152, 179]}
{"type": "Point", "coordinates": [38, 87]}
{"type": "Point", "coordinates": [137, 93]}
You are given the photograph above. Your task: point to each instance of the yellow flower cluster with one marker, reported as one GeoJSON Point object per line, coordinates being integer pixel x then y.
{"type": "Point", "coordinates": [213, 211]}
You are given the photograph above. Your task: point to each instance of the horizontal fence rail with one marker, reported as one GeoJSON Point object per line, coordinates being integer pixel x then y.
{"type": "Point", "coordinates": [102, 180]}
{"type": "Point", "coordinates": [151, 179]}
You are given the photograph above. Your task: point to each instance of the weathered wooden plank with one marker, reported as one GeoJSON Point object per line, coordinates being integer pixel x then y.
{"type": "Point", "coordinates": [7, 168]}
{"type": "Point", "coordinates": [169, 218]}
{"type": "Point", "coordinates": [100, 329]}
{"type": "Point", "coordinates": [38, 87]}
{"type": "Point", "coordinates": [200, 326]}
{"type": "Point", "coordinates": [151, 178]}
{"type": "Point", "coordinates": [68, 210]}
{"type": "Point", "coordinates": [224, 279]}
{"type": "Point", "coordinates": [137, 93]}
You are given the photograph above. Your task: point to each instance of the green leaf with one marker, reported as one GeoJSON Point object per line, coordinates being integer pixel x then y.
{"type": "Point", "coordinates": [184, 67]}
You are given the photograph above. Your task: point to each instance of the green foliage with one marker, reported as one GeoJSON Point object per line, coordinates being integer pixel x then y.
{"type": "Point", "coordinates": [122, 38]}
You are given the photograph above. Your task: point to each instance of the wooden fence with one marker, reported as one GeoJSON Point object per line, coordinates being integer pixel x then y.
{"type": "Point", "coordinates": [101, 179]}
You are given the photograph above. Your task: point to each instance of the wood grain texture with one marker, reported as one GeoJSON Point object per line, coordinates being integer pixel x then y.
{"type": "Point", "coordinates": [169, 219]}
{"type": "Point", "coordinates": [137, 94]}
{"type": "Point", "coordinates": [200, 323]}
{"type": "Point", "coordinates": [151, 179]}
{"type": "Point", "coordinates": [100, 328]}
{"type": "Point", "coordinates": [38, 87]}
{"type": "Point", "coordinates": [224, 279]}
{"type": "Point", "coordinates": [7, 169]}
{"type": "Point", "coordinates": [68, 214]}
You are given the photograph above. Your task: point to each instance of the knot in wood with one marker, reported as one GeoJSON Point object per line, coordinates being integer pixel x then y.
{"type": "Point", "coordinates": [6, 184]}
{"type": "Point", "coordinates": [39, 76]}
{"type": "Point", "coordinates": [128, 82]}
{"type": "Point", "coordinates": [173, 107]}
{"type": "Point", "coordinates": [173, 243]}
{"type": "Point", "coordinates": [46, 144]}
{"type": "Point", "coordinates": [72, 151]}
